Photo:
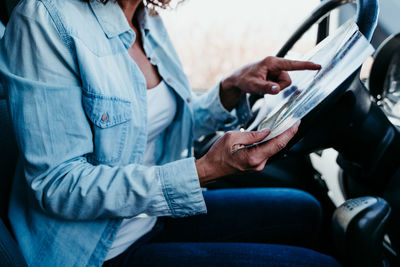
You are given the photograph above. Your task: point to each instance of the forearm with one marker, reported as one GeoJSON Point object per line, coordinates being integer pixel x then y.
{"type": "Point", "coordinates": [78, 190]}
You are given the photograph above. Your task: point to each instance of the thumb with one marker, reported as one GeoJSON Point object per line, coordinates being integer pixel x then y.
{"type": "Point", "coordinates": [271, 88]}
{"type": "Point", "coordinates": [248, 138]}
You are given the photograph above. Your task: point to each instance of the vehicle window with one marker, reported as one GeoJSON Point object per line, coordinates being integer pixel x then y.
{"type": "Point", "coordinates": [215, 37]}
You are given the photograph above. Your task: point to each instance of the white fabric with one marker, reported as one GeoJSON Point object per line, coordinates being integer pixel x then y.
{"type": "Point", "coordinates": [161, 109]}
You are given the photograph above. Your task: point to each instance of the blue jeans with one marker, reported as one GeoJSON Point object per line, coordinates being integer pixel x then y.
{"type": "Point", "coordinates": [243, 227]}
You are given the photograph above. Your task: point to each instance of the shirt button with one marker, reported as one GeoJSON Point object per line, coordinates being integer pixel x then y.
{"type": "Point", "coordinates": [188, 99]}
{"type": "Point", "coordinates": [169, 80]}
{"type": "Point", "coordinates": [104, 117]}
{"type": "Point", "coordinates": [155, 60]}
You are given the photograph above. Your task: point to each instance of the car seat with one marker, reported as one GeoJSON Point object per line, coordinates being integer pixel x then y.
{"type": "Point", "coordinates": [10, 254]}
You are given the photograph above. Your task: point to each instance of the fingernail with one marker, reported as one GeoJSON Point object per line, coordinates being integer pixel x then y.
{"type": "Point", "coordinates": [297, 124]}
{"type": "Point", "coordinates": [274, 88]}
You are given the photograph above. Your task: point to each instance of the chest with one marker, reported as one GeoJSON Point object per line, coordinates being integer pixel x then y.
{"type": "Point", "coordinates": [148, 70]}
{"type": "Point", "coordinates": [115, 100]}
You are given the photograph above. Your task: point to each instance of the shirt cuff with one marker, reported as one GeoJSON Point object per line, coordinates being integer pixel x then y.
{"type": "Point", "coordinates": [181, 188]}
{"type": "Point", "coordinates": [228, 120]}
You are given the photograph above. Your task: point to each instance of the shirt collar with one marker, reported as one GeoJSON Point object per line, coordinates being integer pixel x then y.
{"type": "Point", "coordinates": [143, 19]}
{"type": "Point", "coordinates": [111, 18]}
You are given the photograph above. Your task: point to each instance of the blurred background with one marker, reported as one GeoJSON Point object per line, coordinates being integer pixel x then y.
{"type": "Point", "coordinates": [215, 37]}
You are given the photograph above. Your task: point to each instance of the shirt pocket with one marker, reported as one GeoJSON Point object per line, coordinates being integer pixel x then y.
{"type": "Point", "coordinates": [110, 119]}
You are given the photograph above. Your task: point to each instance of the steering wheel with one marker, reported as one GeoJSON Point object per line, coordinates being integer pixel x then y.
{"type": "Point", "coordinates": [367, 16]}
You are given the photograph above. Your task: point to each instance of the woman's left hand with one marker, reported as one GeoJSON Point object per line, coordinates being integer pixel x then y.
{"type": "Point", "coordinates": [268, 76]}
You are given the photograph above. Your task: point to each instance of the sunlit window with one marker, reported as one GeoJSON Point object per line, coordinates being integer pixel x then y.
{"type": "Point", "coordinates": [214, 37]}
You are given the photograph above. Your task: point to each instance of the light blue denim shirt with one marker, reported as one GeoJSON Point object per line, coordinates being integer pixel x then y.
{"type": "Point", "coordinates": [78, 105]}
{"type": "Point", "coordinates": [2, 28]}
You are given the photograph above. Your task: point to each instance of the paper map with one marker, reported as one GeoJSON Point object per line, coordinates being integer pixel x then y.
{"type": "Point", "coordinates": [339, 55]}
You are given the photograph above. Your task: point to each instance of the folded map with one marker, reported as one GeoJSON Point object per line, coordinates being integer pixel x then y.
{"type": "Point", "coordinates": [340, 54]}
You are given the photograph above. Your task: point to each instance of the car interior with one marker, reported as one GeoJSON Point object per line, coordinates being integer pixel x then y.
{"type": "Point", "coordinates": [363, 231]}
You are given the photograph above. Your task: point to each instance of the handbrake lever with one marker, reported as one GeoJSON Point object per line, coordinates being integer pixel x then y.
{"type": "Point", "coordinates": [359, 228]}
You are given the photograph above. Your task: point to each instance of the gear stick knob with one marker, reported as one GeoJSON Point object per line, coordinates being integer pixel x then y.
{"type": "Point", "coordinates": [358, 229]}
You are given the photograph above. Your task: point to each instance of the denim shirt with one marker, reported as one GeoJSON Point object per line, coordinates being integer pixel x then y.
{"type": "Point", "coordinates": [2, 28]}
{"type": "Point", "coordinates": [78, 105]}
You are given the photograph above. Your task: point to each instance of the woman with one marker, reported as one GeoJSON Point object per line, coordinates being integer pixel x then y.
{"type": "Point", "coordinates": [102, 158]}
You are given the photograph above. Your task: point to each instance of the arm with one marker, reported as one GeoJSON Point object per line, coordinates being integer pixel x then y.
{"type": "Point", "coordinates": [210, 113]}
{"type": "Point", "coordinates": [54, 136]}
{"type": "Point", "coordinates": [266, 76]}
{"type": "Point", "coordinates": [226, 106]}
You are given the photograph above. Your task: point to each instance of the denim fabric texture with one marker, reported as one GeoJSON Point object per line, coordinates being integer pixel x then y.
{"type": "Point", "coordinates": [78, 105]}
{"type": "Point", "coordinates": [243, 227]}
{"type": "Point", "coordinates": [2, 29]}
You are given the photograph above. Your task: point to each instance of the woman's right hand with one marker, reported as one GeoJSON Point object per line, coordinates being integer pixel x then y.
{"type": "Point", "coordinates": [224, 159]}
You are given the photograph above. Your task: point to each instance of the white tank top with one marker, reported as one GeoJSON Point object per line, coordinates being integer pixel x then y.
{"type": "Point", "coordinates": [161, 110]}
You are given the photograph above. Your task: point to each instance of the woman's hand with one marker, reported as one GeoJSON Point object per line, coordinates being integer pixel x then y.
{"type": "Point", "coordinates": [268, 76]}
{"type": "Point", "coordinates": [224, 159]}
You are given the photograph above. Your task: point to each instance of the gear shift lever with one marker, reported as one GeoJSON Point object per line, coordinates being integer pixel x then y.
{"type": "Point", "coordinates": [358, 228]}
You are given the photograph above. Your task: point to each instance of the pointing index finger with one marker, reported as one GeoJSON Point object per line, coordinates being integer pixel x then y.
{"type": "Point", "coordinates": [285, 64]}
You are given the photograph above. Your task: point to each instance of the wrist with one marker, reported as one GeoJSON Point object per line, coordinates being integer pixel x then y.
{"type": "Point", "coordinates": [229, 93]}
{"type": "Point", "coordinates": [228, 83]}
{"type": "Point", "coordinates": [204, 172]}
